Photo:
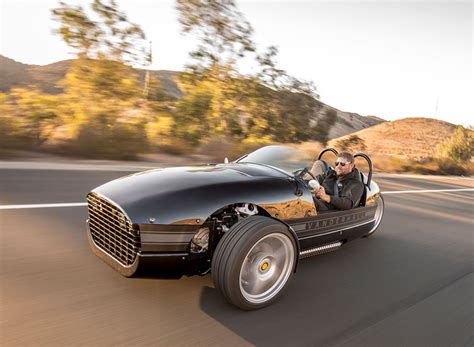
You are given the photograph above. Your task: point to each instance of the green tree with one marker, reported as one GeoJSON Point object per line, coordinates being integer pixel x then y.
{"type": "Point", "coordinates": [278, 79]}
{"type": "Point", "coordinates": [101, 88]}
{"type": "Point", "coordinates": [110, 35]}
{"type": "Point", "coordinates": [224, 33]}
{"type": "Point", "coordinates": [37, 114]}
{"type": "Point", "coordinates": [270, 104]}
{"type": "Point", "coordinates": [459, 147]}
{"type": "Point", "coordinates": [11, 134]}
{"type": "Point", "coordinates": [106, 44]}
{"type": "Point", "coordinates": [92, 79]}
{"type": "Point", "coordinates": [224, 38]}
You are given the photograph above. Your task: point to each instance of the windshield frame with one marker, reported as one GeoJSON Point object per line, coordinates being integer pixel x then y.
{"type": "Point", "coordinates": [275, 149]}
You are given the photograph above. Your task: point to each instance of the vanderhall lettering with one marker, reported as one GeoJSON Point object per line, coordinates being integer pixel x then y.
{"type": "Point", "coordinates": [247, 222]}
{"type": "Point", "coordinates": [335, 221]}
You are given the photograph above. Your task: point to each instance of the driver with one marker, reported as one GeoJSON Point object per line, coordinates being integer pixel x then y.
{"type": "Point", "coordinates": [340, 189]}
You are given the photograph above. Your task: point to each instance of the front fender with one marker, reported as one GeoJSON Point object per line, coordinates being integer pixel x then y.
{"type": "Point", "coordinates": [193, 205]}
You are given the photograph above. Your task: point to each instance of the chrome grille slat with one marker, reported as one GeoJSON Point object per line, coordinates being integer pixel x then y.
{"type": "Point", "coordinates": [111, 230]}
{"type": "Point", "coordinates": [118, 233]}
{"type": "Point", "coordinates": [112, 238]}
{"type": "Point", "coordinates": [112, 218]}
{"type": "Point", "coordinates": [112, 215]}
{"type": "Point", "coordinates": [124, 237]}
{"type": "Point", "coordinates": [111, 242]}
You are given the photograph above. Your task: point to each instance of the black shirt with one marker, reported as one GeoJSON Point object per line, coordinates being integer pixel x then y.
{"type": "Point", "coordinates": [345, 191]}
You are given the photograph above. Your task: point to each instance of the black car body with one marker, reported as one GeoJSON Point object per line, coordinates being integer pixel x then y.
{"type": "Point", "coordinates": [170, 221]}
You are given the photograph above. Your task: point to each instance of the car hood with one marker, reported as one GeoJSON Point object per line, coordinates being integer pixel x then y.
{"type": "Point", "coordinates": [181, 195]}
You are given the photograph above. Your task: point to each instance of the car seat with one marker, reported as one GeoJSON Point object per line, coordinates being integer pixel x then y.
{"type": "Point", "coordinates": [319, 169]}
{"type": "Point", "coordinates": [362, 179]}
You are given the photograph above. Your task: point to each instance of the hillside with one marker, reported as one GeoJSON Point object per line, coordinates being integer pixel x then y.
{"type": "Point", "coordinates": [47, 78]}
{"type": "Point", "coordinates": [349, 122]}
{"type": "Point", "coordinates": [407, 138]}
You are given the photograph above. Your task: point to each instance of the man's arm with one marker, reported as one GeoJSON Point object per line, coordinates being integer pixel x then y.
{"type": "Point", "coordinates": [350, 195]}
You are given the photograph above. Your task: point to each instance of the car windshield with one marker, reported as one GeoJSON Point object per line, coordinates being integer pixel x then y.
{"type": "Point", "coordinates": [288, 159]}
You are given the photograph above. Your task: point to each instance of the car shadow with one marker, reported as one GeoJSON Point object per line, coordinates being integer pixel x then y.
{"type": "Point", "coordinates": [291, 320]}
{"type": "Point", "coordinates": [335, 296]}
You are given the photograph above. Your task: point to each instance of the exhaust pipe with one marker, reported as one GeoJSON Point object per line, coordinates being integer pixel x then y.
{"type": "Point", "coordinates": [320, 250]}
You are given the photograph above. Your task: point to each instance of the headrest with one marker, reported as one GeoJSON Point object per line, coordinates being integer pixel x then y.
{"type": "Point", "coordinates": [320, 167]}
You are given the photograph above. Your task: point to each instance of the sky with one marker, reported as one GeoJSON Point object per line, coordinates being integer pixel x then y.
{"type": "Point", "coordinates": [388, 59]}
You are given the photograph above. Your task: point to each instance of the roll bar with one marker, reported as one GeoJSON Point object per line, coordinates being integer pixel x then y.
{"type": "Point", "coordinates": [366, 157]}
{"type": "Point", "coordinates": [359, 154]}
{"type": "Point", "coordinates": [328, 149]}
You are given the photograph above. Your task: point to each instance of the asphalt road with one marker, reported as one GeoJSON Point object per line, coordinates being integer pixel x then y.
{"type": "Point", "coordinates": [411, 283]}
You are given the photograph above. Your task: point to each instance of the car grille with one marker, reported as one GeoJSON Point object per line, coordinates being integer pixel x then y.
{"type": "Point", "coordinates": [111, 230]}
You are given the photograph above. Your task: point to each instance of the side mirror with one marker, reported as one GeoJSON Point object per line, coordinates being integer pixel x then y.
{"type": "Point", "coordinates": [314, 185]}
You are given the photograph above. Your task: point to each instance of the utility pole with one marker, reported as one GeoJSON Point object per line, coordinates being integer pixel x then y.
{"type": "Point", "coordinates": [146, 85]}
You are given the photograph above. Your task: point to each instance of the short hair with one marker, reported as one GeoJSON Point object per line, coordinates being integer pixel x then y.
{"type": "Point", "coordinates": [347, 156]}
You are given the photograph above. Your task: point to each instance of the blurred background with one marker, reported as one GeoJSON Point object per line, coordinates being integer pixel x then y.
{"type": "Point", "coordinates": [92, 90]}
{"type": "Point", "coordinates": [107, 92]}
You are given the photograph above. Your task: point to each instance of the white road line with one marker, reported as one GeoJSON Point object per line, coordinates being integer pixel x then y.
{"type": "Point", "coordinates": [15, 207]}
{"type": "Point", "coordinates": [80, 204]}
{"type": "Point", "coordinates": [428, 191]}
{"type": "Point", "coordinates": [424, 177]}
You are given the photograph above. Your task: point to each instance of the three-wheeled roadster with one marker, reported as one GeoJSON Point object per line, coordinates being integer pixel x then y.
{"type": "Point", "coordinates": [248, 222]}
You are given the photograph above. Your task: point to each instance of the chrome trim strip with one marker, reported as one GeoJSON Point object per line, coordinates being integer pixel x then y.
{"type": "Point", "coordinates": [338, 230]}
{"type": "Point", "coordinates": [163, 255]}
{"type": "Point", "coordinates": [166, 238]}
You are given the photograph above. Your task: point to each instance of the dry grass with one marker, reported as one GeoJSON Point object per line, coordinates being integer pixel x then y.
{"type": "Point", "coordinates": [409, 138]}
{"type": "Point", "coordinates": [406, 145]}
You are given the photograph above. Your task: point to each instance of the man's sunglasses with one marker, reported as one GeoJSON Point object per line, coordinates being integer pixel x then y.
{"type": "Point", "coordinates": [340, 163]}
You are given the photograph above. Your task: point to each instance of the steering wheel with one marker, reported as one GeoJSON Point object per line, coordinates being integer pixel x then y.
{"type": "Point", "coordinates": [301, 172]}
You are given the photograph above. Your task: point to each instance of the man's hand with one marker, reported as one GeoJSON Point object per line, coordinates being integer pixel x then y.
{"type": "Point", "coordinates": [321, 194]}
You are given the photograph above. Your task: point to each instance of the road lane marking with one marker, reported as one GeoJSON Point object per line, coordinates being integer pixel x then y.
{"type": "Point", "coordinates": [433, 214]}
{"type": "Point", "coordinates": [80, 204]}
{"type": "Point", "coordinates": [15, 207]}
{"type": "Point", "coordinates": [425, 177]}
{"type": "Point", "coordinates": [7, 165]}
{"type": "Point", "coordinates": [428, 191]}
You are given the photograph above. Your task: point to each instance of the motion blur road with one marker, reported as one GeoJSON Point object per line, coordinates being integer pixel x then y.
{"type": "Point", "coordinates": [411, 283]}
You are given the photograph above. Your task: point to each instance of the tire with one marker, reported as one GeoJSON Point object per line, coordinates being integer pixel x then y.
{"type": "Point", "coordinates": [254, 262]}
{"type": "Point", "coordinates": [378, 215]}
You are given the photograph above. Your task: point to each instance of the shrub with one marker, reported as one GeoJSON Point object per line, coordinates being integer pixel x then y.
{"type": "Point", "coordinates": [176, 146]}
{"type": "Point", "coordinates": [159, 131]}
{"type": "Point", "coordinates": [459, 147]}
{"type": "Point", "coordinates": [99, 139]}
{"type": "Point", "coordinates": [450, 167]}
{"type": "Point", "coordinates": [217, 148]}
{"type": "Point", "coordinates": [352, 143]}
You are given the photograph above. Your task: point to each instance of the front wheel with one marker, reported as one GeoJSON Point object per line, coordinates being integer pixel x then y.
{"type": "Point", "coordinates": [254, 262]}
{"type": "Point", "coordinates": [378, 215]}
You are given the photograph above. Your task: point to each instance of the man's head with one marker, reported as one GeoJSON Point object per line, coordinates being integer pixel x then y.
{"type": "Point", "coordinates": [344, 163]}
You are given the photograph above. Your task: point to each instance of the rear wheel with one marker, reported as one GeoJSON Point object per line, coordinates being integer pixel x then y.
{"type": "Point", "coordinates": [378, 216]}
{"type": "Point", "coordinates": [254, 262]}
